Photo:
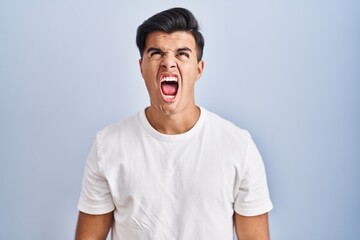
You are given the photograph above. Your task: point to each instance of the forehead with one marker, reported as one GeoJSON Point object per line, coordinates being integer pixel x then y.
{"type": "Point", "coordinates": [171, 41]}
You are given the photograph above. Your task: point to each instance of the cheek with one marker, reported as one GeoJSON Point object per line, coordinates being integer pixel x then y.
{"type": "Point", "coordinates": [149, 75]}
{"type": "Point", "coordinates": [191, 73]}
{"type": "Point", "coordinates": [149, 67]}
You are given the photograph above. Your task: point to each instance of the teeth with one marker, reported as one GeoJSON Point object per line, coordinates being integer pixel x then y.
{"type": "Point", "coordinates": [169, 79]}
{"type": "Point", "coordinates": [169, 96]}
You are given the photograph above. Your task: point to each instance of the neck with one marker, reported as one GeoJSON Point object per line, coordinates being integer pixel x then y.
{"type": "Point", "coordinates": [175, 123]}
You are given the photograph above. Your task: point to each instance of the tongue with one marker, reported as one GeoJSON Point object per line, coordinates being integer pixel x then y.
{"type": "Point", "coordinates": [169, 89]}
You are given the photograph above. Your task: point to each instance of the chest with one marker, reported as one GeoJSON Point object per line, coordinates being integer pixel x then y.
{"type": "Point", "coordinates": [175, 172]}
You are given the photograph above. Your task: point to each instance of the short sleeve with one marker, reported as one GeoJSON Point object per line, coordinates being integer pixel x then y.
{"type": "Point", "coordinates": [95, 197]}
{"type": "Point", "coordinates": [253, 195]}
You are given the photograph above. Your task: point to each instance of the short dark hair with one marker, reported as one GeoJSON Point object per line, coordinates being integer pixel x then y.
{"type": "Point", "coordinates": [169, 21]}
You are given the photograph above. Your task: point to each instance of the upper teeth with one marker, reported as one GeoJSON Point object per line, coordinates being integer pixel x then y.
{"type": "Point", "coordinates": [173, 79]}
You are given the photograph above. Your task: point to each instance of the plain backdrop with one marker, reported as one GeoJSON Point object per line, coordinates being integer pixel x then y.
{"type": "Point", "coordinates": [287, 71]}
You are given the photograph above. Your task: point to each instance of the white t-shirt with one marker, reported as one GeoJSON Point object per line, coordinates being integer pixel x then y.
{"type": "Point", "coordinates": [174, 187]}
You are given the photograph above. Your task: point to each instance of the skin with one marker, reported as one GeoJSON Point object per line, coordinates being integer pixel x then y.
{"type": "Point", "coordinates": [173, 115]}
{"type": "Point", "coordinates": [252, 228]}
{"type": "Point", "coordinates": [93, 227]}
{"type": "Point", "coordinates": [181, 114]}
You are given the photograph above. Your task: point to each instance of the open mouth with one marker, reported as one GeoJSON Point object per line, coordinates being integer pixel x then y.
{"type": "Point", "coordinates": [169, 87]}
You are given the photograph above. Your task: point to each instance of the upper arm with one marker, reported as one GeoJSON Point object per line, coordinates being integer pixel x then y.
{"type": "Point", "coordinates": [251, 192]}
{"type": "Point", "coordinates": [93, 227]}
{"type": "Point", "coordinates": [95, 197]}
{"type": "Point", "coordinates": [252, 228]}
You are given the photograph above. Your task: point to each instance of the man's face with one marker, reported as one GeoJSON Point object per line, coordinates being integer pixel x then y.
{"type": "Point", "coordinates": [170, 68]}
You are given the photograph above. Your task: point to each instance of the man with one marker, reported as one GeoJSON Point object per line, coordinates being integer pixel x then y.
{"type": "Point", "coordinates": [174, 170]}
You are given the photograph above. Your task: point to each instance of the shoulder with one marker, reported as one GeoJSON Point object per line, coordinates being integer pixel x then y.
{"type": "Point", "coordinates": [119, 130]}
{"type": "Point", "coordinates": [225, 127]}
{"type": "Point", "coordinates": [235, 141]}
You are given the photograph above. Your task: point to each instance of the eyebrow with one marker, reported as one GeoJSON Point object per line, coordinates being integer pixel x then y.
{"type": "Point", "coordinates": [183, 49]}
{"type": "Point", "coordinates": [152, 49]}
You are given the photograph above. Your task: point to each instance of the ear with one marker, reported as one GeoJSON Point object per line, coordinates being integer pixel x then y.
{"type": "Point", "coordinates": [140, 64]}
{"type": "Point", "coordinates": [200, 68]}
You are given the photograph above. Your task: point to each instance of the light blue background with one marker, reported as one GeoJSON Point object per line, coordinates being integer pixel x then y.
{"type": "Point", "coordinates": [288, 71]}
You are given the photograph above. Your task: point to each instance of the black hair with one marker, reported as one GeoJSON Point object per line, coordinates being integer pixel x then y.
{"type": "Point", "coordinates": [169, 21]}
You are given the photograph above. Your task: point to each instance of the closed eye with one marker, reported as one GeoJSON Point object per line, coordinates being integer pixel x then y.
{"type": "Point", "coordinates": [183, 54]}
{"type": "Point", "coordinates": [153, 53]}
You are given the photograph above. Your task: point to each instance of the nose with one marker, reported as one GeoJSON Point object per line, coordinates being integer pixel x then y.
{"type": "Point", "coordinates": [168, 60]}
